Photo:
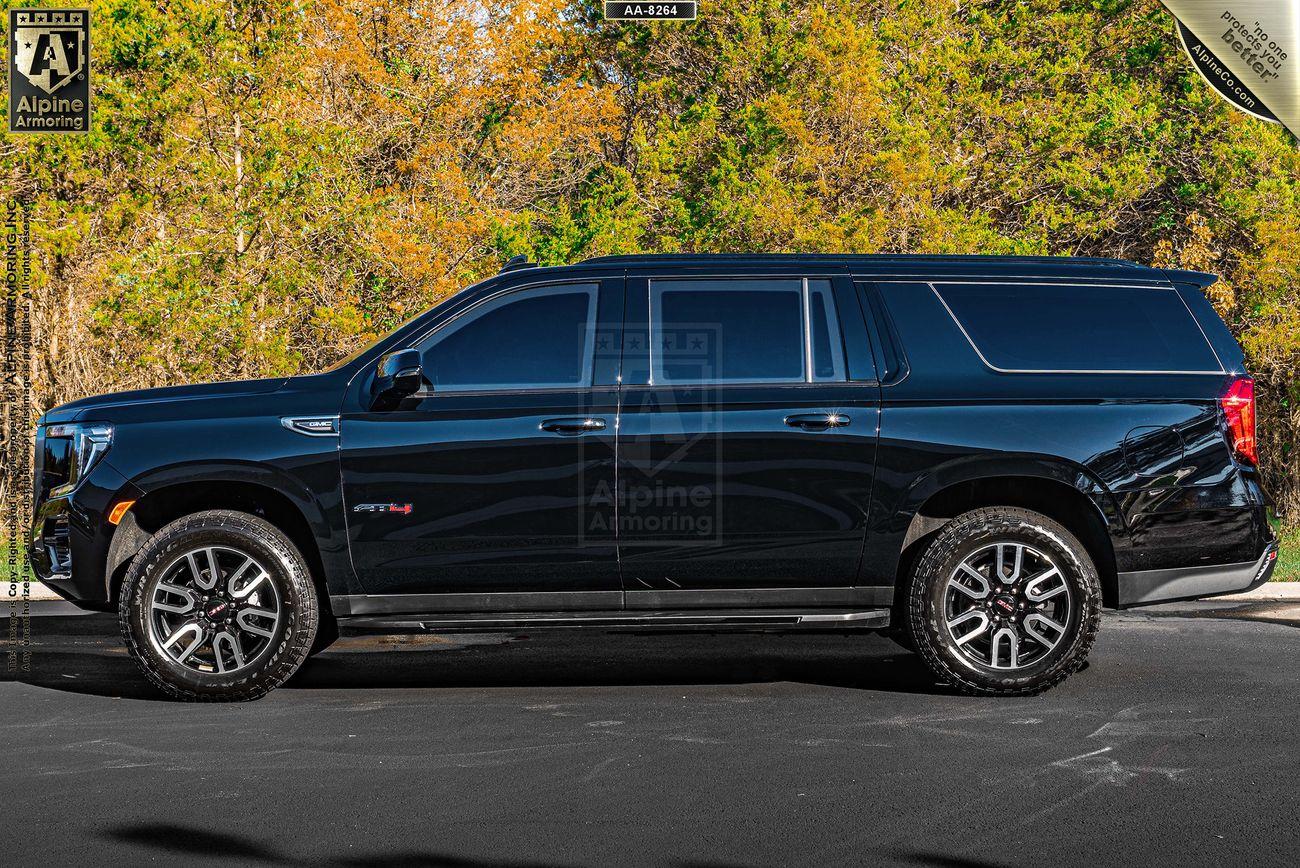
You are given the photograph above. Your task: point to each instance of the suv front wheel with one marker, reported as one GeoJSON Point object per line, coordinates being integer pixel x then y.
{"type": "Point", "coordinates": [1003, 602]}
{"type": "Point", "coordinates": [219, 606]}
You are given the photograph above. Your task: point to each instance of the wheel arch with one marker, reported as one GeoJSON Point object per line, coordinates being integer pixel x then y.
{"type": "Point", "coordinates": [1064, 493]}
{"type": "Point", "coordinates": [255, 489]}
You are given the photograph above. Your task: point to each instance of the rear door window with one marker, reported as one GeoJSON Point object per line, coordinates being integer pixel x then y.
{"type": "Point", "coordinates": [1058, 328]}
{"type": "Point", "coordinates": [756, 330]}
{"type": "Point", "coordinates": [727, 331]}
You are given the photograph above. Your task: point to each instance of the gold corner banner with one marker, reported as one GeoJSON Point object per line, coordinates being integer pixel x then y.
{"type": "Point", "coordinates": [1248, 51]}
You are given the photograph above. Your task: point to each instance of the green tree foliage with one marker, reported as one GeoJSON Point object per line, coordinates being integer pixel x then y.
{"type": "Point", "coordinates": [270, 183]}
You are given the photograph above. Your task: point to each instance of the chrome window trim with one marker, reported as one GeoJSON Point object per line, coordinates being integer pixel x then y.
{"type": "Point", "coordinates": [807, 332]}
{"type": "Point", "coordinates": [1124, 372]}
{"type": "Point", "coordinates": [983, 277]}
{"type": "Point", "coordinates": [715, 387]}
{"type": "Point", "coordinates": [421, 337]}
{"type": "Point", "coordinates": [1209, 343]}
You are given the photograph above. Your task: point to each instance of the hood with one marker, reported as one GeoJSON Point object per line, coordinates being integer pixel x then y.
{"type": "Point", "coordinates": [84, 408]}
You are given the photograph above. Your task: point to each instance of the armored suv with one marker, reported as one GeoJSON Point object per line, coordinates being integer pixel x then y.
{"type": "Point", "coordinates": [975, 454]}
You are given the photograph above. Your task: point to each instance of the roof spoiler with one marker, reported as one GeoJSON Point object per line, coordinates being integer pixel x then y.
{"type": "Point", "coordinates": [1199, 279]}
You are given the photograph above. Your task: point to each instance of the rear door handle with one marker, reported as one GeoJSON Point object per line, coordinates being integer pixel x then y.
{"type": "Point", "coordinates": [573, 425]}
{"type": "Point", "coordinates": [817, 421]}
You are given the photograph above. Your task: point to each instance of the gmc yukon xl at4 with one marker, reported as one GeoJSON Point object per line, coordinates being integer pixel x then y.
{"type": "Point", "coordinates": [975, 454]}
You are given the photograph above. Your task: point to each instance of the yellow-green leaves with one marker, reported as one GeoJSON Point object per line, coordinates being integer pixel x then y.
{"type": "Point", "coordinates": [270, 183]}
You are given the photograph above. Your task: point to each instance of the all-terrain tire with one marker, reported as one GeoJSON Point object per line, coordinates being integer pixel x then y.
{"type": "Point", "coordinates": [293, 636]}
{"type": "Point", "coordinates": [966, 534]}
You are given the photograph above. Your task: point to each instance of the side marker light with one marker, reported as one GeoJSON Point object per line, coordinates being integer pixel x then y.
{"type": "Point", "coordinates": [119, 511]}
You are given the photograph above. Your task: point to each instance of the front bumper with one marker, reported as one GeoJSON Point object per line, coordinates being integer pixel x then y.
{"type": "Point", "coordinates": [70, 538]}
{"type": "Point", "coordinates": [1189, 583]}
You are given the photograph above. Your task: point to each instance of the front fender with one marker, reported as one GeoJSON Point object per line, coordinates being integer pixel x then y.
{"type": "Point", "coordinates": [310, 488]}
{"type": "Point", "coordinates": [247, 472]}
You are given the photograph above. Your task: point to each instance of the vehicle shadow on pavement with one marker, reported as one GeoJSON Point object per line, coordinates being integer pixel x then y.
{"type": "Point", "coordinates": [592, 660]}
{"type": "Point", "coordinates": [196, 842]}
{"type": "Point", "coordinates": [85, 655]}
{"type": "Point", "coordinates": [182, 841]}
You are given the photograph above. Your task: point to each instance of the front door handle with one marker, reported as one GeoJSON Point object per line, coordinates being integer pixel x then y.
{"type": "Point", "coordinates": [573, 425]}
{"type": "Point", "coordinates": [817, 421]}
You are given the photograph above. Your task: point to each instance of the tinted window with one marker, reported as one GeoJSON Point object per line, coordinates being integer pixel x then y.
{"type": "Point", "coordinates": [535, 339]}
{"type": "Point", "coordinates": [727, 331]}
{"type": "Point", "coordinates": [824, 331]}
{"type": "Point", "coordinates": [1079, 328]}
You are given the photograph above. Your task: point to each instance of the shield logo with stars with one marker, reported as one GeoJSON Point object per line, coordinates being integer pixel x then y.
{"type": "Point", "coordinates": [50, 47]}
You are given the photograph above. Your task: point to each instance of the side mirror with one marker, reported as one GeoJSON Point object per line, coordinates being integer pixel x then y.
{"type": "Point", "coordinates": [398, 375]}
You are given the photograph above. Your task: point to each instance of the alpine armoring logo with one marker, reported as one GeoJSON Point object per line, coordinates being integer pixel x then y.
{"type": "Point", "coordinates": [49, 70]}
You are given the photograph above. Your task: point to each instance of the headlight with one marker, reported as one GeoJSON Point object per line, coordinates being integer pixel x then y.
{"type": "Point", "coordinates": [89, 444]}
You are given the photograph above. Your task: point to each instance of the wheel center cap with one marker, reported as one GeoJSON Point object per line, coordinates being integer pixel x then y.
{"type": "Point", "coordinates": [1005, 603]}
{"type": "Point", "coordinates": [216, 608]}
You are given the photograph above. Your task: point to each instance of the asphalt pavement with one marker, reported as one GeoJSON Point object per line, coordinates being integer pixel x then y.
{"type": "Point", "coordinates": [1178, 744]}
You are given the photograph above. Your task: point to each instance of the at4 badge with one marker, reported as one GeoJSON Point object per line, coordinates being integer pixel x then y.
{"type": "Point", "coordinates": [49, 70]}
{"type": "Point", "coordinates": [399, 508]}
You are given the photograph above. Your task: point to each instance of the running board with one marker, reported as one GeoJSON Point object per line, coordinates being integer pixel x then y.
{"type": "Point", "coordinates": [872, 619]}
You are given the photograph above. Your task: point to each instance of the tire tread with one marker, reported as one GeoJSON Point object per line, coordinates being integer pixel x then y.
{"type": "Point", "coordinates": [983, 520]}
{"type": "Point", "coordinates": [284, 661]}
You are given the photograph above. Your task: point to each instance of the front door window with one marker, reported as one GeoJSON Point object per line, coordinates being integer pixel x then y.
{"type": "Point", "coordinates": [539, 339]}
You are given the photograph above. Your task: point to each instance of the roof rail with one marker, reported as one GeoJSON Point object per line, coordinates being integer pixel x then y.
{"type": "Point", "coordinates": [516, 262]}
{"type": "Point", "coordinates": [858, 257]}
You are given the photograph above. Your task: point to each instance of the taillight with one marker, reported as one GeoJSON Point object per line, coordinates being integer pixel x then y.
{"type": "Point", "coordinates": [1238, 405]}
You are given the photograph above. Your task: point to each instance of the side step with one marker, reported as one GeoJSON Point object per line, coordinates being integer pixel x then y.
{"type": "Point", "coordinates": [871, 619]}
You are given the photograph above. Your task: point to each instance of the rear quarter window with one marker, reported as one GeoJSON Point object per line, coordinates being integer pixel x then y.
{"type": "Point", "coordinates": [1047, 328]}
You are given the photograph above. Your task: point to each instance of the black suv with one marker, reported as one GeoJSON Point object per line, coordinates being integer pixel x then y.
{"type": "Point", "coordinates": [973, 453]}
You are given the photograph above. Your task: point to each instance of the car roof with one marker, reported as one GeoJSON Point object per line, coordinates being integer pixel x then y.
{"type": "Point", "coordinates": [884, 266]}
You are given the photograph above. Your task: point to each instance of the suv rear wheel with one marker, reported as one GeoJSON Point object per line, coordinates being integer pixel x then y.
{"type": "Point", "coordinates": [1003, 602]}
{"type": "Point", "coordinates": [219, 606]}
